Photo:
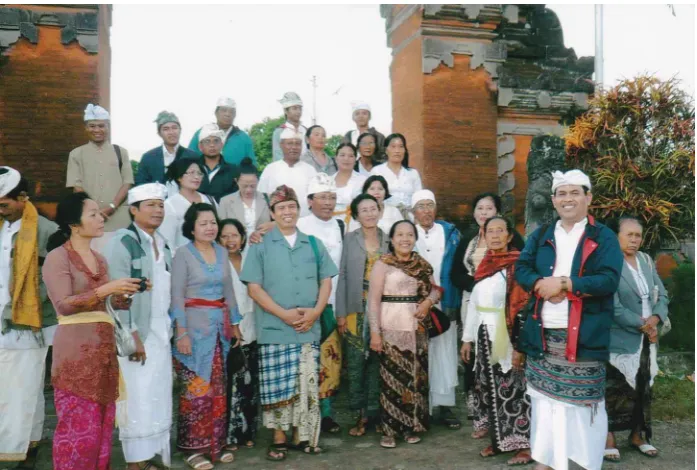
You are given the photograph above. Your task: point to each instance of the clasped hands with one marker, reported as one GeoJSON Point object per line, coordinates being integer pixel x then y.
{"type": "Point", "coordinates": [301, 319]}
{"type": "Point", "coordinates": [550, 289]}
{"type": "Point", "coordinates": [650, 328]}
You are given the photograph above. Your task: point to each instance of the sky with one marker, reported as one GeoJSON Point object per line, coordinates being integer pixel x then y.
{"type": "Point", "coordinates": [182, 58]}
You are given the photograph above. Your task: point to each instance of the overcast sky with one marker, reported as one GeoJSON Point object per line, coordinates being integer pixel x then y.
{"type": "Point", "coordinates": [181, 58]}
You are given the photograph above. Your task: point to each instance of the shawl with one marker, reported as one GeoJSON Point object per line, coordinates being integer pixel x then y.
{"type": "Point", "coordinates": [26, 305]}
{"type": "Point", "coordinates": [416, 267]}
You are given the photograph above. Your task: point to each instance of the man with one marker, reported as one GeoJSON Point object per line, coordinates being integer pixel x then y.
{"type": "Point", "coordinates": [140, 251]}
{"type": "Point", "coordinates": [572, 268]}
{"type": "Point", "coordinates": [219, 180]}
{"type": "Point", "coordinates": [293, 110]}
{"type": "Point", "coordinates": [437, 243]}
{"type": "Point", "coordinates": [236, 143]}
{"type": "Point", "coordinates": [288, 275]}
{"type": "Point", "coordinates": [103, 171]}
{"type": "Point", "coordinates": [322, 225]}
{"type": "Point", "coordinates": [361, 116]}
{"type": "Point", "coordinates": [154, 163]}
{"type": "Point", "coordinates": [27, 320]}
{"type": "Point", "coordinates": [290, 171]}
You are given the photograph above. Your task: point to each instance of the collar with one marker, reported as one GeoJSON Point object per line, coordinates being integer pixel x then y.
{"type": "Point", "coordinates": [290, 125]}
{"type": "Point", "coordinates": [97, 147]}
{"type": "Point", "coordinates": [325, 223]}
{"type": "Point", "coordinates": [165, 152]}
{"type": "Point", "coordinates": [578, 226]}
{"type": "Point", "coordinates": [276, 236]}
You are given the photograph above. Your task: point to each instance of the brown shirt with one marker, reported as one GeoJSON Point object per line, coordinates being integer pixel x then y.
{"type": "Point", "coordinates": [96, 170]}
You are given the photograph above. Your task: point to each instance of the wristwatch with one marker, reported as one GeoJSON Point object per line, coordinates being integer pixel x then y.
{"type": "Point", "coordinates": [113, 207]}
{"type": "Point", "coordinates": [564, 284]}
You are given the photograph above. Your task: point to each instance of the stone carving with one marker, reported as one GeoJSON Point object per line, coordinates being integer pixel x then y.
{"type": "Point", "coordinates": [436, 51]}
{"type": "Point", "coordinates": [546, 155]}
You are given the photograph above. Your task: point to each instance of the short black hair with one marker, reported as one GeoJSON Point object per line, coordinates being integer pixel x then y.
{"type": "Point", "coordinates": [357, 200]}
{"type": "Point", "coordinates": [22, 187]}
{"type": "Point", "coordinates": [346, 144]}
{"type": "Point", "coordinates": [390, 138]}
{"type": "Point", "coordinates": [585, 190]}
{"type": "Point", "coordinates": [180, 166]}
{"type": "Point", "coordinates": [192, 214]}
{"type": "Point", "coordinates": [358, 144]}
{"type": "Point", "coordinates": [615, 224]}
{"type": "Point", "coordinates": [373, 178]}
{"type": "Point", "coordinates": [68, 212]}
{"type": "Point", "coordinates": [308, 133]}
{"type": "Point", "coordinates": [247, 167]}
{"type": "Point", "coordinates": [393, 229]}
{"type": "Point", "coordinates": [492, 196]}
{"type": "Point", "coordinates": [238, 225]}
{"type": "Point", "coordinates": [137, 206]}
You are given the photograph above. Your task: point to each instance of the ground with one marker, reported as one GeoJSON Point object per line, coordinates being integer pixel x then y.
{"type": "Point", "coordinates": [441, 448]}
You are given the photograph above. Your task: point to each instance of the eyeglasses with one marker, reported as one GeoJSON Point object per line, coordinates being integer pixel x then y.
{"type": "Point", "coordinates": [194, 174]}
{"type": "Point", "coordinates": [211, 141]}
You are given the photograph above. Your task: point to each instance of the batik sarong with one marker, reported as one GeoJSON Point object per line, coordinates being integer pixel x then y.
{"type": "Point", "coordinates": [501, 404]}
{"type": "Point", "coordinates": [243, 391]}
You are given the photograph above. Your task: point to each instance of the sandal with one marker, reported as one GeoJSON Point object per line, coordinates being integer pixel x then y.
{"type": "Point", "coordinates": [412, 439]}
{"type": "Point", "coordinates": [148, 465]}
{"type": "Point", "coordinates": [280, 450]}
{"type": "Point", "coordinates": [306, 448]}
{"type": "Point", "coordinates": [198, 462]}
{"type": "Point", "coordinates": [388, 442]}
{"type": "Point", "coordinates": [329, 425]}
{"type": "Point", "coordinates": [481, 434]}
{"type": "Point", "coordinates": [359, 429]}
{"type": "Point", "coordinates": [250, 445]}
{"type": "Point", "coordinates": [227, 456]}
{"type": "Point", "coordinates": [450, 420]}
{"type": "Point", "coordinates": [645, 449]}
{"type": "Point", "coordinates": [611, 455]}
{"type": "Point", "coordinates": [488, 452]}
{"type": "Point", "coordinates": [523, 457]}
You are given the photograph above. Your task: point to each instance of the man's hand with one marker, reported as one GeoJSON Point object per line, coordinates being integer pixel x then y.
{"type": "Point", "coordinates": [107, 212]}
{"type": "Point", "coordinates": [291, 316]}
{"type": "Point", "coordinates": [341, 325]}
{"type": "Point", "coordinates": [557, 299]}
{"type": "Point", "coordinates": [548, 287]}
{"type": "Point", "coordinates": [308, 318]}
{"type": "Point", "coordinates": [139, 355]}
{"type": "Point", "coordinates": [466, 352]}
{"type": "Point", "coordinates": [237, 334]}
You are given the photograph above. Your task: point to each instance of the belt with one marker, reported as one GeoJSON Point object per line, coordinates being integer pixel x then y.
{"type": "Point", "coordinates": [401, 299]}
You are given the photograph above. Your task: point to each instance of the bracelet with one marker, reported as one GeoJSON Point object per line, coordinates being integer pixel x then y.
{"type": "Point", "coordinates": [186, 333]}
{"type": "Point", "coordinates": [112, 205]}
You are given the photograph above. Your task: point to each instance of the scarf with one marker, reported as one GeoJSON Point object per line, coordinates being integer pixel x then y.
{"type": "Point", "coordinates": [26, 306]}
{"type": "Point", "coordinates": [516, 297]}
{"type": "Point", "coordinates": [415, 267]}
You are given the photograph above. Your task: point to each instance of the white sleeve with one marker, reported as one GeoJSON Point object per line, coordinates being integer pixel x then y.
{"type": "Point", "coordinates": [168, 229]}
{"type": "Point", "coordinates": [417, 181]}
{"type": "Point", "coordinates": [469, 331]}
{"type": "Point", "coordinates": [264, 182]}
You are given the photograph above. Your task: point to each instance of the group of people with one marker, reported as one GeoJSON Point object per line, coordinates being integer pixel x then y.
{"type": "Point", "coordinates": [257, 289]}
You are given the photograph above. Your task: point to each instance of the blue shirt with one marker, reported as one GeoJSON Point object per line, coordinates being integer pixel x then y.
{"type": "Point", "coordinates": [237, 146]}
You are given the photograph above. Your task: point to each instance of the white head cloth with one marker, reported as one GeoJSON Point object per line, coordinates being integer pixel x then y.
{"type": "Point", "coordinates": [571, 177]}
{"type": "Point", "coordinates": [422, 195]}
{"type": "Point", "coordinates": [210, 130]}
{"type": "Point", "coordinates": [358, 105]}
{"type": "Point", "coordinates": [147, 191]}
{"type": "Point", "coordinates": [96, 113]}
{"type": "Point", "coordinates": [290, 99]}
{"type": "Point", "coordinates": [289, 133]}
{"type": "Point", "coordinates": [321, 183]}
{"type": "Point", "coordinates": [9, 179]}
{"type": "Point", "coordinates": [224, 102]}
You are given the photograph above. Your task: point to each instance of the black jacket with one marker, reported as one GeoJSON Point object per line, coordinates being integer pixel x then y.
{"type": "Point", "coordinates": [151, 168]}
{"type": "Point", "coordinates": [223, 182]}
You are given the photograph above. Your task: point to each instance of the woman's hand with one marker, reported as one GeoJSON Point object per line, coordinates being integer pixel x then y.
{"type": "Point", "coordinates": [518, 360]}
{"type": "Point", "coordinates": [376, 342]}
{"type": "Point", "coordinates": [125, 286]}
{"type": "Point", "coordinates": [466, 352]}
{"type": "Point", "coordinates": [649, 324]}
{"type": "Point", "coordinates": [341, 325]}
{"type": "Point", "coordinates": [307, 319]}
{"type": "Point", "coordinates": [423, 309]}
{"type": "Point", "coordinates": [184, 345]}
{"type": "Point", "coordinates": [139, 355]}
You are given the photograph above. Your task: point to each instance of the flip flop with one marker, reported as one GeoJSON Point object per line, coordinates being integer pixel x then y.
{"type": "Point", "coordinates": [330, 426]}
{"type": "Point", "coordinates": [198, 462]}
{"type": "Point", "coordinates": [611, 455]}
{"type": "Point", "coordinates": [388, 442]}
{"type": "Point", "coordinates": [305, 448]}
{"type": "Point", "coordinates": [525, 457]}
{"type": "Point", "coordinates": [280, 449]}
{"type": "Point", "coordinates": [645, 448]}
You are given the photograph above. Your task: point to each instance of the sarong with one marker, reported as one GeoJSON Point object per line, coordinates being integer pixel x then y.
{"type": "Point", "coordinates": [289, 388]}
{"type": "Point", "coordinates": [330, 366]}
{"type": "Point", "coordinates": [83, 434]}
{"type": "Point", "coordinates": [202, 423]}
{"type": "Point", "coordinates": [629, 409]}
{"type": "Point", "coordinates": [404, 388]}
{"type": "Point", "coordinates": [243, 392]}
{"type": "Point", "coordinates": [502, 406]}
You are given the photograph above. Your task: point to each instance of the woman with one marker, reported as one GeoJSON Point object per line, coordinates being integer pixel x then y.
{"type": "Point", "coordinates": [468, 255]}
{"type": "Point", "coordinates": [243, 362]}
{"type": "Point", "coordinates": [641, 304]}
{"type": "Point", "coordinates": [361, 249]}
{"type": "Point", "coordinates": [316, 138]}
{"type": "Point", "coordinates": [247, 205]}
{"type": "Point", "coordinates": [402, 292]}
{"type": "Point", "coordinates": [206, 319]}
{"type": "Point", "coordinates": [348, 182]}
{"type": "Point", "coordinates": [377, 187]}
{"type": "Point", "coordinates": [187, 174]}
{"type": "Point", "coordinates": [367, 147]}
{"type": "Point", "coordinates": [403, 181]}
{"type": "Point", "coordinates": [499, 394]}
{"type": "Point", "coordinates": [85, 371]}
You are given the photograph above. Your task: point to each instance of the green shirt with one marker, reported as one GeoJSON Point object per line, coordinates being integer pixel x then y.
{"type": "Point", "coordinates": [289, 276]}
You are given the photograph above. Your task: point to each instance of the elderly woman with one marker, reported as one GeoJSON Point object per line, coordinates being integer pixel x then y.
{"type": "Point", "coordinates": [468, 255]}
{"type": "Point", "coordinates": [348, 182]}
{"type": "Point", "coordinates": [314, 154]}
{"type": "Point", "coordinates": [206, 319]}
{"type": "Point", "coordinates": [403, 181]}
{"type": "Point", "coordinates": [85, 371]}
{"type": "Point", "coordinates": [494, 305]}
{"type": "Point", "coordinates": [247, 205]}
{"type": "Point", "coordinates": [641, 305]}
{"type": "Point", "coordinates": [361, 249]}
{"type": "Point", "coordinates": [402, 292]}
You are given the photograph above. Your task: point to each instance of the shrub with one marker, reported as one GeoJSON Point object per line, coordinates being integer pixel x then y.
{"type": "Point", "coordinates": [681, 288]}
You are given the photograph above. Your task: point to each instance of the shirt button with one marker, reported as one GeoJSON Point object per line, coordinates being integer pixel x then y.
{"type": "Point", "coordinates": [551, 267]}
{"type": "Point", "coordinates": [574, 328]}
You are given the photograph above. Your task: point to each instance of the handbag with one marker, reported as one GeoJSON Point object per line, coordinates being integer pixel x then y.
{"type": "Point", "coordinates": [327, 320]}
{"type": "Point", "coordinates": [439, 323]}
{"type": "Point", "coordinates": [125, 343]}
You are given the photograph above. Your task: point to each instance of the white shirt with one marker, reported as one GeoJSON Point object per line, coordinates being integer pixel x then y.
{"type": "Point", "coordinates": [401, 186]}
{"type": "Point", "coordinates": [291, 239]}
{"type": "Point", "coordinates": [431, 246]}
{"type": "Point", "coordinates": [169, 157]}
{"type": "Point", "coordinates": [557, 315]}
{"type": "Point", "coordinates": [330, 234]}
{"type": "Point", "coordinates": [362, 170]}
{"type": "Point", "coordinates": [250, 216]}
{"type": "Point", "coordinates": [161, 294]}
{"type": "Point", "coordinates": [297, 177]}
{"type": "Point", "coordinates": [171, 228]}
{"type": "Point", "coordinates": [345, 195]}
{"type": "Point", "coordinates": [245, 305]}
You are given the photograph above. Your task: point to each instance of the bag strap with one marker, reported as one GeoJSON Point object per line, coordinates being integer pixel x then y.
{"type": "Point", "coordinates": [342, 227]}
{"type": "Point", "coordinates": [315, 250]}
{"type": "Point", "coordinates": [117, 149]}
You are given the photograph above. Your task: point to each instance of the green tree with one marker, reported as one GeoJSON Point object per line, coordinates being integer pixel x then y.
{"type": "Point", "coordinates": [637, 144]}
{"type": "Point", "coordinates": [134, 167]}
{"type": "Point", "coordinates": [332, 143]}
{"type": "Point", "coordinates": [262, 134]}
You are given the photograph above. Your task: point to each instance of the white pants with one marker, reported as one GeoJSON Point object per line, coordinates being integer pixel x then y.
{"type": "Point", "coordinates": [561, 431]}
{"type": "Point", "coordinates": [442, 368]}
{"type": "Point", "coordinates": [21, 400]}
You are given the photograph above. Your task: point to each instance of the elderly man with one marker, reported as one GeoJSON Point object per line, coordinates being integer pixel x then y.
{"type": "Point", "coordinates": [437, 243]}
{"type": "Point", "coordinates": [289, 276]}
{"type": "Point", "coordinates": [361, 116]}
{"type": "Point", "coordinates": [221, 177]}
{"type": "Point", "coordinates": [154, 163]}
{"type": "Point", "coordinates": [236, 143]}
{"type": "Point", "coordinates": [27, 320]}
{"type": "Point", "coordinates": [293, 111]}
{"type": "Point", "coordinates": [573, 269]}
{"type": "Point", "coordinates": [103, 171]}
{"type": "Point", "coordinates": [290, 171]}
{"type": "Point", "coordinates": [321, 224]}
{"type": "Point", "coordinates": [134, 252]}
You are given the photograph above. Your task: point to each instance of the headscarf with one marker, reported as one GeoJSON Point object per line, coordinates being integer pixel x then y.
{"type": "Point", "coordinates": [163, 117]}
{"type": "Point", "coordinates": [282, 194]}
{"type": "Point", "coordinates": [416, 267]}
{"type": "Point", "coordinates": [572, 177]}
{"type": "Point", "coordinates": [96, 113]}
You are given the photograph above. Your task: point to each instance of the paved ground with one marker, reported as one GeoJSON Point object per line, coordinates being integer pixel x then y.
{"type": "Point", "coordinates": [441, 448]}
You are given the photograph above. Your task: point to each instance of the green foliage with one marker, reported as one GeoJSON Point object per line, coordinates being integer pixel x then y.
{"type": "Point", "coordinates": [681, 288]}
{"type": "Point", "coordinates": [332, 143]}
{"type": "Point", "coordinates": [262, 134]}
{"type": "Point", "coordinates": [673, 399]}
{"type": "Point", "coordinates": [637, 144]}
{"type": "Point", "coordinates": [134, 167]}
